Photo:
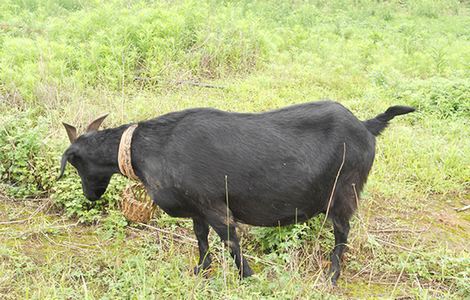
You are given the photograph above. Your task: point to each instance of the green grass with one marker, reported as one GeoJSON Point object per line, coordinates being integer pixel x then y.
{"type": "Point", "coordinates": [72, 60]}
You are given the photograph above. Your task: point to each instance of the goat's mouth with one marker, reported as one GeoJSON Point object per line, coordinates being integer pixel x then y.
{"type": "Point", "coordinates": [95, 195]}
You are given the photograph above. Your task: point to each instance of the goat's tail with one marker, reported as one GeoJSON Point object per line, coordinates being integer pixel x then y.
{"type": "Point", "coordinates": [379, 123]}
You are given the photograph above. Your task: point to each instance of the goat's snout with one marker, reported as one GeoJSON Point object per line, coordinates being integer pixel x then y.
{"type": "Point", "coordinates": [94, 187]}
{"type": "Point", "coordinates": [92, 196]}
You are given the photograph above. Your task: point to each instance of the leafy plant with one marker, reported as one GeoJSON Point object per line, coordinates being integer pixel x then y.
{"type": "Point", "coordinates": [67, 193]}
{"type": "Point", "coordinates": [29, 165]}
{"type": "Point", "coordinates": [281, 240]}
{"type": "Point", "coordinates": [113, 226]}
{"type": "Point", "coordinates": [442, 97]}
{"type": "Point", "coordinates": [22, 167]}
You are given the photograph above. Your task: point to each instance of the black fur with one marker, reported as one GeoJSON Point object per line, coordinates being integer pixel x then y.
{"type": "Point", "coordinates": [280, 167]}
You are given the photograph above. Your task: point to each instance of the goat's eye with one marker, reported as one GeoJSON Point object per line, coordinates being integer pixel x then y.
{"type": "Point", "coordinates": [74, 159]}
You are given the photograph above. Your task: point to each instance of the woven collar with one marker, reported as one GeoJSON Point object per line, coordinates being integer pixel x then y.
{"type": "Point", "coordinates": [124, 154]}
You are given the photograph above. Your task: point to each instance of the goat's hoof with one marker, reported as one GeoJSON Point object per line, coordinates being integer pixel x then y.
{"type": "Point", "coordinates": [334, 280]}
{"type": "Point", "coordinates": [201, 270]}
{"type": "Point", "coordinates": [246, 273]}
{"type": "Point", "coordinates": [333, 275]}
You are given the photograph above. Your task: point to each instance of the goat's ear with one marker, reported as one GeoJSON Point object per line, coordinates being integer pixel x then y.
{"type": "Point", "coordinates": [71, 132]}
{"type": "Point", "coordinates": [96, 124]}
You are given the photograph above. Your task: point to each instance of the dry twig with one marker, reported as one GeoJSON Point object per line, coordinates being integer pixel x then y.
{"type": "Point", "coordinates": [463, 208]}
{"type": "Point", "coordinates": [404, 265]}
{"type": "Point", "coordinates": [200, 84]}
{"type": "Point", "coordinates": [397, 230]}
{"type": "Point", "coordinates": [39, 209]}
{"type": "Point", "coordinates": [392, 244]}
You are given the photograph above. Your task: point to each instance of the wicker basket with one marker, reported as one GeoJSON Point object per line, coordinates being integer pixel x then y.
{"type": "Point", "coordinates": [136, 204]}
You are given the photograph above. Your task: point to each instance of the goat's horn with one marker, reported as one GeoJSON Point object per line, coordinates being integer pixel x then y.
{"type": "Point", "coordinates": [96, 123]}
{"type": "Point", "coordinates": [71, 132]}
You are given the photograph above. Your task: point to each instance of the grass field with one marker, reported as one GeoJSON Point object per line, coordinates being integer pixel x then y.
{"type": "Point", "coordinates": [72, 60]}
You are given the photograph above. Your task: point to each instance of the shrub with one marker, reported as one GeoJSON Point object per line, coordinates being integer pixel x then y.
{"type": "Point", "coordinates": [29, 165]}
{"type": "Point", "coordinates": [21, 164]}
{"type": "Point", "coordinates": [115, 46]}
{"type": "Point", "coordinates": [442, 97]}
{"type": "Point", "coordinates": [67, 193]}
{"type": "Point", "coordinates": [281, 240]}
{"type": "Point", "coordinates": [113, 225]}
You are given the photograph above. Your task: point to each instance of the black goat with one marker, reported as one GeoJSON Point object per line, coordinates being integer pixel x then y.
{"type": "Point", "coordinates": [277, 167]}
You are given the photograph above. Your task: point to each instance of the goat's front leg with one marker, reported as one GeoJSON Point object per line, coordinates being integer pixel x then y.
{"type": "Point", "coordinates": [201, 230]}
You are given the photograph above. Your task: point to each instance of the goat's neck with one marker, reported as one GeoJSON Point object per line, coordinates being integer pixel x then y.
{"type": "Point", "coordinates": [109, 146]}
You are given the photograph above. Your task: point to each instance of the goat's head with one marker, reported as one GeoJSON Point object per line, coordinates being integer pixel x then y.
{"type": "Point", "coordinates": [87, 156]}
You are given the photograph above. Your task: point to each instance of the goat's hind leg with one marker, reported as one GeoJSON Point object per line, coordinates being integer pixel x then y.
{"type": "Point", "coordinates": [341, 230]}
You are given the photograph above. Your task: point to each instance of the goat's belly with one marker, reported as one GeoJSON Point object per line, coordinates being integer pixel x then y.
{"type": "Point", "coordinates": [171, 202]}
{"type": "Point", "coordinates": [262, 212]}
